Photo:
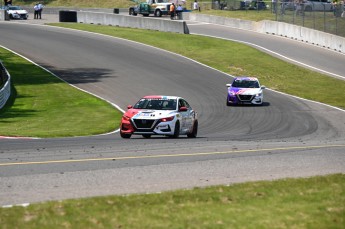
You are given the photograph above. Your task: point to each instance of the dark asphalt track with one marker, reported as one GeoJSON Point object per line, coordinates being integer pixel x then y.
{"type": "Point", "coordinates": [287, 137]}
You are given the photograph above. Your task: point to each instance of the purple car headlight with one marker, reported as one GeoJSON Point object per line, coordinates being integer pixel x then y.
{"type": "Point", "coordinates": [232, 93]}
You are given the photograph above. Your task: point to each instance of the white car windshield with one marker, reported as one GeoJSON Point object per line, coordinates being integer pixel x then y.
{"type": "Point", "coordinates": [156, 104]}
{"type": "Point", "coordinates": [14, 8]}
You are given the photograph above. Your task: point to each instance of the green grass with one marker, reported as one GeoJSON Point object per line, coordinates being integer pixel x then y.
{"type": "Point", "coordinates": [250, 15]}
{"type": "Point", "coordinates": [236, 59]}
{"type": "Point", "coordinates": [44, 106]}
{"type": "Point", "coordinates": [317, 202]}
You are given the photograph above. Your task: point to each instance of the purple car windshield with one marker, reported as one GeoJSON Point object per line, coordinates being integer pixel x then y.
{"type": "Point", "coordinates": [245, 84]}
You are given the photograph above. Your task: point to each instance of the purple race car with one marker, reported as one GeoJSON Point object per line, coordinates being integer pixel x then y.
{"type": "Point", "coordinates": [245, 90]}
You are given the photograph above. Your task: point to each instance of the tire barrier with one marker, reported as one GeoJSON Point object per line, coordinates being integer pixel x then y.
{"type": "Point", "coordinates": [67, 16]}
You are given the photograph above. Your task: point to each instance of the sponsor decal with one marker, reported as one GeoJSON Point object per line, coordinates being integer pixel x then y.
{"type": "Point", "coordinates": [145, 114]}
{"type": "Point", "coordinates": [242, 91]}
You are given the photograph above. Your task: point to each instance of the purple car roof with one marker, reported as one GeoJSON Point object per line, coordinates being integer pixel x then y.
{"type": "Point", "coordinates": [246, 78]}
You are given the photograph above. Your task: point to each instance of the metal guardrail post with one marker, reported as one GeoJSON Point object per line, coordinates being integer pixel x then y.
{"type": "Point", "coordinates": [5, 89]}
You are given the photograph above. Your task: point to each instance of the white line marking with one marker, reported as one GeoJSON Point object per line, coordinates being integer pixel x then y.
{"type": "Point", "coordinates": [16, 205]}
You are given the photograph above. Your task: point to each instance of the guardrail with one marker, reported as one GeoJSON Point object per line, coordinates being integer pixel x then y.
{"type": "Point", "coordinates": [319, 15]}
{"type": "Point", "coordinates": [300, 33]}
{"type": "Point", "coordinates": [150, 23]}
{"type": "Point", "coordinates": [104, 16]}
{"type": "Point", "coordinates": [5, 85]}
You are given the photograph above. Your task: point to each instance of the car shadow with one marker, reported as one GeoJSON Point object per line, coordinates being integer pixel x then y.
{"type": "Point", "coordinates": [160, 137]}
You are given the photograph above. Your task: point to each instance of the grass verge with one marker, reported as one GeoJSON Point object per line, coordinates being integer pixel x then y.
{"type": "Point", "coordinates": [44, 106]}
{"type": "Point", "coordinates": [250, 15]}
{"type": "Point", "coordinates": [235, 59]}
{"type": "Point", "coordinates": [316, 202]}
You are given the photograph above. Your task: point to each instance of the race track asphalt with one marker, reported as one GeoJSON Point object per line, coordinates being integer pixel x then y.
{"type": "Point", "coordinates": [286, 137]}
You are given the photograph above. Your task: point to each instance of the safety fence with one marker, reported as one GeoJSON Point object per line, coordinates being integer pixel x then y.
{"type": "Point", "coordinates": [319, 15]}
{"type": "Point", "coordinates": [5, 85]}
{"type": "Point", "coordinates": [322, 16]}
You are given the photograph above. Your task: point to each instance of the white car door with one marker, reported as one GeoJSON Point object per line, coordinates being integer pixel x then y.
{"type": "Point", "coordinates": [187, 116]}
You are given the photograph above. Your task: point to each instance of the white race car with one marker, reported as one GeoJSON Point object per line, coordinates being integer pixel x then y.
{"type": "Point", "coordinates": [159, 115]}
{"type": "Point", "coordinates": [16, 12]}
